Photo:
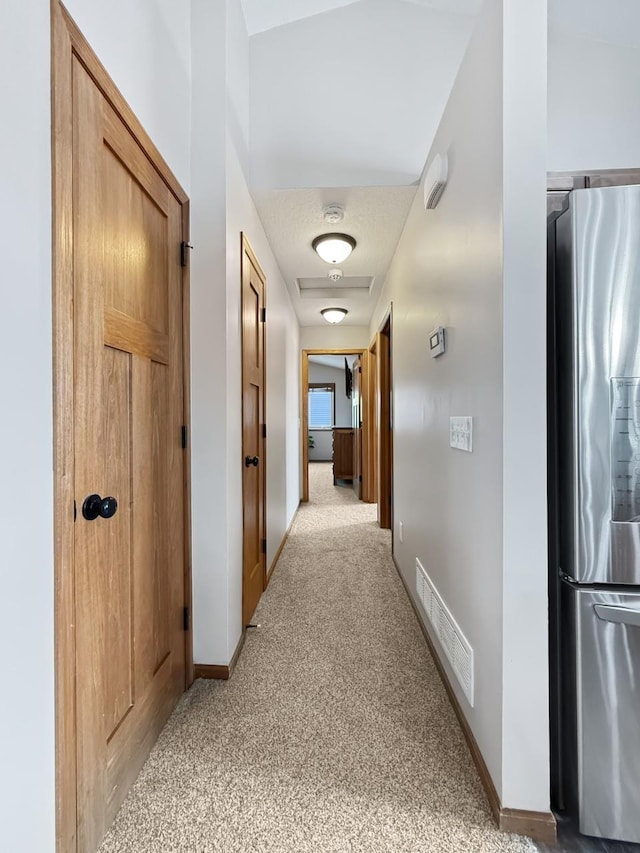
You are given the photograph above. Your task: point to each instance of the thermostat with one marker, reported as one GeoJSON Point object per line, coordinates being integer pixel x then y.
{"type": "Point", "coordinates": [436, 342]}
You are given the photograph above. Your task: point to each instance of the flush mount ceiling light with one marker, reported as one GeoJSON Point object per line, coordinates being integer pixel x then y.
{"type": "Point", "coordinates": [334, 315]}
{"type": "Point", "coordinates": [334, 248]}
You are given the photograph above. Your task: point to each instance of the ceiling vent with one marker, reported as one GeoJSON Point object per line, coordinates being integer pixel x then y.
{"type": "Point", "coordinates": [435, 181]}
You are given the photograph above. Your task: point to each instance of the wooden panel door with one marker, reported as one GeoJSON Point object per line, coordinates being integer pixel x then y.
{"type": "Point", "coordinates": [253, 426]}
{"type": "Point", "coordinates": [356, 412]}
{"type": "Point", "coordinates": [129, 385]}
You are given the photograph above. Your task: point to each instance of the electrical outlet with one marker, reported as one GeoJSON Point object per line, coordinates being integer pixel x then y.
{"type": "Point", "coordinates": [461, 433]}
{"type": "Point", "coordinates": [401, 531]}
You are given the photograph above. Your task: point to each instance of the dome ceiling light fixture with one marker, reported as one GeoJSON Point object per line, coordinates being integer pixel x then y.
{"type": "Point", "coordinates": [334, 248]}
{"type": "Point", "coordinates": [334, 315]}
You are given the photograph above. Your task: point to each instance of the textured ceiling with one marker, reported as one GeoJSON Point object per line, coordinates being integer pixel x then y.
{"type": "Point", "coordinates": [375, 216]}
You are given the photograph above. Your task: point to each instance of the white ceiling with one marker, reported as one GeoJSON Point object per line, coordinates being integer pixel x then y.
{"type": "Point", "coordinates": [352, 97]}
{"type": "Point", "coordinates": [263, 15]}
{"type": "Point", "coordinates": [345, 99]}
{"type": "Point", "coordinates": [374, 216]}
{"type": "Point", "coordinates": [349, 94]}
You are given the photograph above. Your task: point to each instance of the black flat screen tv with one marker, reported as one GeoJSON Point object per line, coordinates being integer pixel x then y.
{"type": "Point", "coordinates": [348, 378]}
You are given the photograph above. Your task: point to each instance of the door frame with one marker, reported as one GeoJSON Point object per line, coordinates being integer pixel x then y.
{"type": "Point", "coordinates": [245, 247]}
{"type": "Point", "coordinates": [67, 41]}
{"type": "Point", "coordinates": [385, 420]}
{"type": "Point", "coordinates": [304, 409]}
{"type": "Point", "coordinates": [371, 462]}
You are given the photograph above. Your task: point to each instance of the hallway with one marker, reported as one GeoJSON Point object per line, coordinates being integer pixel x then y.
{"type": "Point", "coordinates": [334, 733]}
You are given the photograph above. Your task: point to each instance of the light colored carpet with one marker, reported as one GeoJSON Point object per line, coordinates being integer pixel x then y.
{"type": "Point", "coordinates": [334, 734]}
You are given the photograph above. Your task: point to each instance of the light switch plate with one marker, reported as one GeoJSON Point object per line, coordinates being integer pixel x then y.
{"type": "Point", "coordinates": [461, 433]}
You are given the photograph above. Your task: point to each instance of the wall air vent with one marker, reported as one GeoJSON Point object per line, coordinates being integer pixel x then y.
{"type": "Point", "coordinates": [435, 181]}
{"type": "Point", "coordinates": [445, 628]}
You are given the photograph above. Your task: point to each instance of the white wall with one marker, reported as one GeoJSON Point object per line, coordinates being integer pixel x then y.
{"type": "Point", "coordinates": [323, 438]}
{"type": "Point", "coordinates": [145, 46]}
{"type": "Point", "coordinates": [334, 337]}
{"type": "Point", "coordinates": [26, 520]}
{"type": "Point", "coordinates": [594, 89]}
{"type": "Point", "coordinates": [464, 266]}
{"type": "Point", "coordinates": [525, 666]}
{"type": "Point", "coordinates": [282, 370]}
{"type": "Point", "coordinates": [149, 60]}
{"type": "Point", "coordinates": [324, 373]}
{"type": "Point", "coordinates": [209, 335]}
{"type": "Point", "coordinates": [221, 209]}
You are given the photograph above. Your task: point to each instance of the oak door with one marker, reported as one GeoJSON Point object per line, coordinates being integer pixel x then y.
{"type": "Point", "coordinates": [129, 385]}
{"type": "Point", "coordinates": [253, 427]}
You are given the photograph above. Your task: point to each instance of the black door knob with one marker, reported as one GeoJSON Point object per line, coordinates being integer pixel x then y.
{"type": "Point", "coordinates": [251, 460]}
{"type": "Point", "coordinates": [95, 506]}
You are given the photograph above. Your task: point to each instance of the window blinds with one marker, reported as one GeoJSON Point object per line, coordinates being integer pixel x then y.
{"type": "Point", "coordinates": [320, 408]}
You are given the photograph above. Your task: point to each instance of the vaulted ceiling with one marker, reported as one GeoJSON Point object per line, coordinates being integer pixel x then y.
{"type": "Point", "coordinates": [346, 97]}
{"type": "Point", "coordinates": [261, 16]}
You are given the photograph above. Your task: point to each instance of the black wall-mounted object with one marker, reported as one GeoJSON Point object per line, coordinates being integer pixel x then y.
{"type": "Point", "coordinates": [348, 378]}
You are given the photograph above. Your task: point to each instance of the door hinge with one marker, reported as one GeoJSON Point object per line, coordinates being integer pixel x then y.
{"type": "Point", "coordinates": [264, 430]}
{"type": "Point", "coordinates": [184, 436]}
{"type": "Point", "coordinates": [264, 546]}
{"type": "Point", "coordinates": [185, 618]}
{"type": "Point", "coordinates": [263, 315]}
{"type": "Point", "coordinates": [184, 253]}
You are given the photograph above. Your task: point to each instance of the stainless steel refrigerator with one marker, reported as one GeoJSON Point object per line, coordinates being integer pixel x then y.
{"type": "Point", "coordinates": [594, 509]}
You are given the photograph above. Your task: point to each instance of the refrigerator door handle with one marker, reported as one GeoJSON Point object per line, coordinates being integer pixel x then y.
{"type": "Point", "coordinates": [613, 613]}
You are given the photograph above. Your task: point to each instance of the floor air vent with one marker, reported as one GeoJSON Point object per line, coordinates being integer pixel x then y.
{"type": "Point", "coordinates": [454, 644]}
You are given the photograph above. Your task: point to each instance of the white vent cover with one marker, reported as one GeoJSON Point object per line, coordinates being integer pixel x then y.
{"type": "Point", "coordinates": [435, 181]}
{"type": "Point", "coordinates": [454, 644]}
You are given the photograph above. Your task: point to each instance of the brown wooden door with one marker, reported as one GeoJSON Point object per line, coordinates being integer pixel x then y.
{"type": "Point", "coordinates": [129, 385]}
{"type": "Point", "coordinates": [253, 443]}
{"type": "Point", "coordinates": [356, 411]}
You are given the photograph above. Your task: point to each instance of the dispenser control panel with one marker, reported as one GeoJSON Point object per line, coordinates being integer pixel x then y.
{"type": "Point", "coordinates": [625, 448]}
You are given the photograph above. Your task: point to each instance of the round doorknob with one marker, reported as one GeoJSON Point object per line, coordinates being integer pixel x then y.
{"type": "Point", "coordinates": [251, 460]}
{"type": "Point", "coordinates": [95, 506]}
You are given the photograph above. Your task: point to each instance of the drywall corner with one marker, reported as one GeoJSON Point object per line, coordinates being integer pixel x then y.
{"type": "Point", "coordinates": [525, 671]}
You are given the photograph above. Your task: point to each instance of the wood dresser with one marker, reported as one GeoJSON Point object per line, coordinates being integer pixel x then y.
{"type": "Point", "coordinates": [342, 453]}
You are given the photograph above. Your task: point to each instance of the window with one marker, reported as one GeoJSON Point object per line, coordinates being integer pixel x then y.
{"type": "Point", "coordinates": [321, 405]}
